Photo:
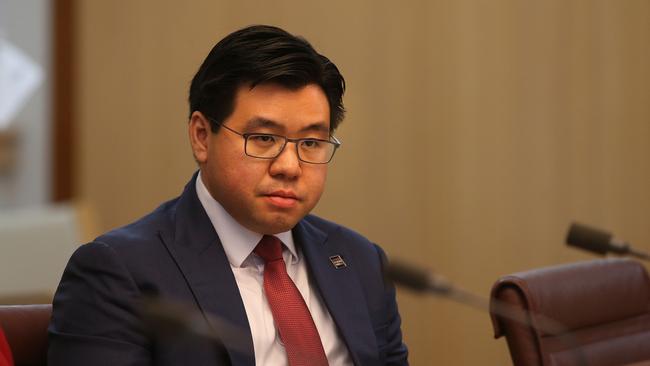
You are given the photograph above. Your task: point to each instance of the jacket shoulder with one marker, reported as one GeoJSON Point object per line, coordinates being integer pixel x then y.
{"type": "Point", "coordinates": [144, 229]}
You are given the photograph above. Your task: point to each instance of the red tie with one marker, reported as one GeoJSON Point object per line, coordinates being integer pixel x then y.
{"type": "Point", "coordinates": [297, 329]}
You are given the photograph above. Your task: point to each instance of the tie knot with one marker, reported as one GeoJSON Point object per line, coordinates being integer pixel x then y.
{"type": "Point", "coordinates": [269, 248]}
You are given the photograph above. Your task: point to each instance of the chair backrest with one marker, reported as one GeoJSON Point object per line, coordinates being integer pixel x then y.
{"type": "Point", "coordinates": [25, 327]}
{"type": "Point", "coordinates": [603, 306]}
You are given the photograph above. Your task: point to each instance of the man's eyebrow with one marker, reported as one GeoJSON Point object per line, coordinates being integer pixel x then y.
{"type": "Point", "coordinates": [258, 122]}
{"type": "Point", "coordinates": [261, 122]}
{"type": "Point", "coordinates": [316, 127]}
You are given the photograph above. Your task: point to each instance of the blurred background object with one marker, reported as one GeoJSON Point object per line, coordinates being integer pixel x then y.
{"type": "Point", "coordinates": [476, 130]}
{"type": "Point", "coordinates": [25, 102]}
{"type": "Point", "coordinates": [36, 245]}
{"type": "Point", "coordinates": [7, 151]}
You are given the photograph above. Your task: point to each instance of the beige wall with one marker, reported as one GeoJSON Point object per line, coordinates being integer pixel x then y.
{"type": "Point", "coordinates": [477, 130]}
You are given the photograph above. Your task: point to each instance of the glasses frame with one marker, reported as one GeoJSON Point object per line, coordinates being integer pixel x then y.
{"type": "Point", "coordinates": [333, 140]}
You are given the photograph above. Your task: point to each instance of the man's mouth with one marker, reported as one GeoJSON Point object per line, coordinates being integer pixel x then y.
{"type": "Point", "coordinates": [282, 198]}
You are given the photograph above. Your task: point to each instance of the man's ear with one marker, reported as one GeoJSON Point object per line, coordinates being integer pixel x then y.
{"type": "Point", "coordinates": [199, 131]}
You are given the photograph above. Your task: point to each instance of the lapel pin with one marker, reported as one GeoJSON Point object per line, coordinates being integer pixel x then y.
{"type": "Point", "coordinates": [338, 262]}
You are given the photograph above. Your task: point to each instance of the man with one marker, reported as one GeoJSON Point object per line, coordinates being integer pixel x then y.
{"type": "Point", "coordinates": [278, 286]}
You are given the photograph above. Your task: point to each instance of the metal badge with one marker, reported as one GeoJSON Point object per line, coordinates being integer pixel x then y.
{"type": "Point", "coordinates": [338, 262]}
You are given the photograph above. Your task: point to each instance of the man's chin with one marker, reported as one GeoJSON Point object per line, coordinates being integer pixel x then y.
{"type": "Point", "coordinates": [278, 224]}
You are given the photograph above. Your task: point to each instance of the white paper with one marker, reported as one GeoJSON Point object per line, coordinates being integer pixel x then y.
{"type": "Point", "coordinates": [20, 76]}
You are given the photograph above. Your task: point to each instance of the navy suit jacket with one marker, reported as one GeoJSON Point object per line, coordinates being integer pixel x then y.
{"type": "Point", "coordinates": [175, 253]}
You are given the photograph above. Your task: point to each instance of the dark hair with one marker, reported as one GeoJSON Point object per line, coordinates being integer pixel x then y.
{"type": "Point", "coordinates": [262, 54]}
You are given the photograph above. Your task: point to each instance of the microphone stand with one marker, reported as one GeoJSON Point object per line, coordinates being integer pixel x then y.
{"type": "Point", "coordinates": [420, 280]}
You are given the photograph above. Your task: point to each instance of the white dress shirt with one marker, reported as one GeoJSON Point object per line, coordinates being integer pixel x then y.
{"type": "Point", "coordinates": [239, 243]}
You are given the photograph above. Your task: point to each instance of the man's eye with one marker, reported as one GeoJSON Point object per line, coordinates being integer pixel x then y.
{"type": "Point", "coordinates": [262, 139]}
{"type": "Point", "coordinates": [310, 144]}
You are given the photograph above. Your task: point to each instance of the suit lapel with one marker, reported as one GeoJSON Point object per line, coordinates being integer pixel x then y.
{"type": "Point", "coordinates": [341, 291]}
{"type": "Point", "coordinates": [199, 254]}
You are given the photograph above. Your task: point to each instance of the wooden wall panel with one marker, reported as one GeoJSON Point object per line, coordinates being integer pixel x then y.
{"type": "Point", "coordinates": [476, 130]}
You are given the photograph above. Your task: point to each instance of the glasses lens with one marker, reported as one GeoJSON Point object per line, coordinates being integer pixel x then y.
{"type": "Point", "coordinates": [316, 151]}
{"type": "Point", "coordinates": [263, 146]}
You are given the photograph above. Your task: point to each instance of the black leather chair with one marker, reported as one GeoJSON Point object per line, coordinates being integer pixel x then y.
{"type": "Point", "coordinates": [603, 306]}
{"type": "Point", "coordinates": [25, 327]}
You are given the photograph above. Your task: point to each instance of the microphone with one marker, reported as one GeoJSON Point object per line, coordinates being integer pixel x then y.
{"type": "Point", "coordinates": [417, 279]}
{"type": "Point", "coordinates": [423, 281]}
{"type": "Point", "coordinates": [167, 320]}
{"type": "Point", "coordinates": [600, 242]}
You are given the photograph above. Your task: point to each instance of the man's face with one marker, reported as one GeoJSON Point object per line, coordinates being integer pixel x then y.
{"type": "Point", "coordinates": [267, 196]}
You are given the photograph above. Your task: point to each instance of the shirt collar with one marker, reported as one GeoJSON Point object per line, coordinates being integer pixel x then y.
{"type": "Point", "coordinates": [238, 242]}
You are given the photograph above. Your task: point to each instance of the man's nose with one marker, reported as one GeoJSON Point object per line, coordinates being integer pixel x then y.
{"type": "Point", "coordinates": [287, 163]}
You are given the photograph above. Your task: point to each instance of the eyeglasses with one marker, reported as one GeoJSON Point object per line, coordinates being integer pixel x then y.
{"type": "Point", "coordinates": [270, 146]}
